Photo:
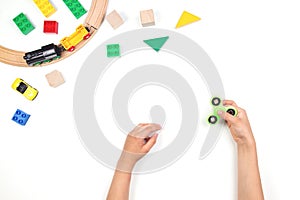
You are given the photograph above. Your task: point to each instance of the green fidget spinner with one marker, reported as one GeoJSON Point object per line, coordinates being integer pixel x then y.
{"type": "Point", "coordinates": [218, 106]}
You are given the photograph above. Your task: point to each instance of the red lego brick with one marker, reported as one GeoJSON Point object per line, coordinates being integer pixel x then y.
{"type": "Point", "coordinates": [50, 27]}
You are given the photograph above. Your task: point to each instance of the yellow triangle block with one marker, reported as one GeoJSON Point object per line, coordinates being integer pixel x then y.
{"type": "Point", "coordinates": [187, 18]}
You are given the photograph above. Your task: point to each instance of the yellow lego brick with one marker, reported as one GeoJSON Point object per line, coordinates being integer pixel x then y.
{"type": "Point", "coordinates": [45, 7]}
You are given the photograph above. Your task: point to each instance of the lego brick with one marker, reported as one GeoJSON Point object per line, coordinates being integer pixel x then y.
{"type": "Point", "coordinates": [50, 27]}
{"type": "Point", "coordinates": [113, 50]}
{"type": "Point", "coordinates": [187, 18]}
{"type": "Point", "coordinates": [75, 7]}
{"type": "Point", "coordinates": [45, 7]}
{"type": "Point", "coordinates": [114, 19]}
{"type": "Point", "coordinates": [55, 79]}
{"type": "Point", "coordinates": [23, 23]}
{"type": "Point", "coordinates": [147, 18]}
{"type": "Point", "coordinates": [157, 43]}
{"type": "Point", "coordinates": [20, 117]}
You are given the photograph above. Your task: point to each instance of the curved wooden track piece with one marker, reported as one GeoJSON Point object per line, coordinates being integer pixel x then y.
{"type": "Point", "coordinates": [93, 21]}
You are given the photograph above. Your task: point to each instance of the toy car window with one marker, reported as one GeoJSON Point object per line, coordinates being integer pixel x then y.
{"type": "Point", "coordinates": [22, 87]}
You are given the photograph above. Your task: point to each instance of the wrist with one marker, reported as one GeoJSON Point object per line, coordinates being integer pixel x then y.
{"type": "Point", "coordinates": [247, 142]}
{"type": "Point", "coordinates": [248, 145]}
{"type": "Point", "coordinates": [247, 152]}
{"type": "Point", "coordinates": [126, 162]}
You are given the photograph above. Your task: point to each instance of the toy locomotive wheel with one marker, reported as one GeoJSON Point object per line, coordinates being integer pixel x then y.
{"type": "Point", "coordinates": [36, 64]}
{"type": "Point", "coordinates": [87, 36]}
{"type": "Point", "coordinates": [212, 119]}
{"type": "Point", "coordinates": [72, 48]}
{"type": "Point", "coordinates": [58, 57]}
{"type": "Point", "coordinates": [231, 111]}
{"type": "Point", "coordinates": [216, 101]}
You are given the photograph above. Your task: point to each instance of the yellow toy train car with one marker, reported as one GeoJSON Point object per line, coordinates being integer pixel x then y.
{"type": "Point", "coordinates": [81, 33]}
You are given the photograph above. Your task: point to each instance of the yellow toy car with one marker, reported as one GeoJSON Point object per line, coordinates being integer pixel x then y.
{"type": "Point", "coordinates": [24, 88]}
{"type": "Point", "coordinates": [80, 34]}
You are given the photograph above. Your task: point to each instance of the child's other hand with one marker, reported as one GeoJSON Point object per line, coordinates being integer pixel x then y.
{"type": "Point", "coordinates": [137, 144]}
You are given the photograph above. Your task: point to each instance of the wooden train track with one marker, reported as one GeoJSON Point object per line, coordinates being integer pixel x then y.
{"type": "Point", "coordinates": [93, 21]}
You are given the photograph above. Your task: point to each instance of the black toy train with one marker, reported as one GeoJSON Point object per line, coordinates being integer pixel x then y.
{"type": "Point", "coordinates": [45, 54]}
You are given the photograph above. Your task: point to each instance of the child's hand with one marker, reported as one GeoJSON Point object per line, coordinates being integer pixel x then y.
{"type": "Point", "coordinates": [137, 144]}
{"type": "Point", "coordinates": [239, 126]}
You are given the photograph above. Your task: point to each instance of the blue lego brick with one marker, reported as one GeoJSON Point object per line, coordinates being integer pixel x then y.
{"type": "Point", "coordinates": [20, 117]}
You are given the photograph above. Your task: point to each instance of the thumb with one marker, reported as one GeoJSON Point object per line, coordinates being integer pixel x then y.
{"type": "Point", "coordinates": [226, 116]}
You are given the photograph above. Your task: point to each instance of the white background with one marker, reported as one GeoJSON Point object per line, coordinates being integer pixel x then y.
{"type": "Point", "coordinates": [255, 46]}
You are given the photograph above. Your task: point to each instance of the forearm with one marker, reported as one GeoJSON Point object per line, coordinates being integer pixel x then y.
{"type": "Point", "coordinates": [135, 148]}
{"type": "Point", "coordinates": [119, 189]}
{"type": "Point", "coordinates": [249, 183]}
{"type": "Point", "coordinates": [120, 185]}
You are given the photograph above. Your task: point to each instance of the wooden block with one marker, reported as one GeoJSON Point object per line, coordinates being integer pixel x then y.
{"type": "Point", "coordinates": [114, 19]}
{"type": "Point", "coordinates": [147, 18]}
{"type": "Point", "coordinates": [55, 78]}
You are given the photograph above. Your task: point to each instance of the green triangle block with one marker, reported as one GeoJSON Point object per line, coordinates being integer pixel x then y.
{"type": "Point", "coordinates": [157, 43]}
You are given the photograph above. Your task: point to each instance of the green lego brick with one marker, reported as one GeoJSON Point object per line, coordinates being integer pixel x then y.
{"type": "Point", "coordinates": [23, 23]}
{"type": "Point", "coordinates": [75, 7]}
{"type": "Point", "coordinates": [113, 50]}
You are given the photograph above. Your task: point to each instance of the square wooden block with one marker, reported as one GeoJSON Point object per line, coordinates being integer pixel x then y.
{"type": "Point", "coordinates": [55, 78]}
{"type": "Point", "coordinates": [147, 18]}
{"type": "Point", "coordinates": [114, 19]}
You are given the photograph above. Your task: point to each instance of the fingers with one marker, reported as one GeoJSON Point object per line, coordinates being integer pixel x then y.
{"type": "Point", "coordinates": [227, 117]}
{"type": "Point", "coordinates": [229, 103]}
{"type": "Point", "coordinates": [142, 124]}
{"type": "Point", "coordinates": [241, 111]}
{"type": "Point", "coordinates": [144, 130]}
{"type": "Point", "coordinates": [150, 143]}
{"type": "Point", "coordinates": [149, 128]}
